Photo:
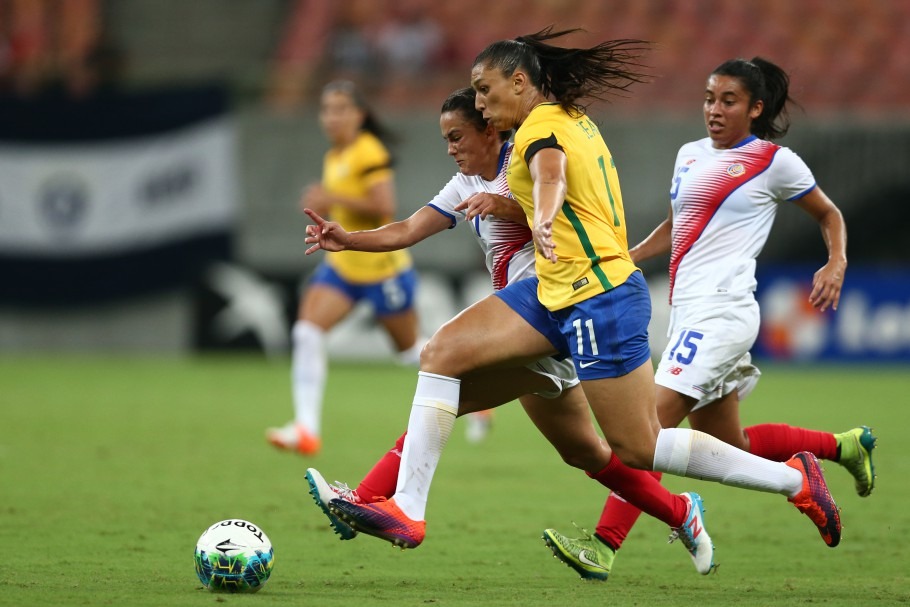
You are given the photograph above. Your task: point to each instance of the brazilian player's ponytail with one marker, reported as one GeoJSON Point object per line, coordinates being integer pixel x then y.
{"type": "Point", "coordinates": [569, 75]}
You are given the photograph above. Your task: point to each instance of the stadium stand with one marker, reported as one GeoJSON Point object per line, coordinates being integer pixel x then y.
{"type": "Point", "coordinates": [830, 60]}
{"type": "Point", "coordinates": [855, 56]}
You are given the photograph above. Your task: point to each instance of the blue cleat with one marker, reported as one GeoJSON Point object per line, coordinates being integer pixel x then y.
{"type": "Point", "coordinates": [694, 536]}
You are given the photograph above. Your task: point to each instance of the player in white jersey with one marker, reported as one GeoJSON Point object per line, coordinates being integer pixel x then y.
{"type": "Point", "coordinates": [506, 243]}
{"type": "Point", "coordinates": [548, 389]}
{"type": "Point", "coordinates": [724, 194]}
{"type": "Point", "coordinates": [723, 202]}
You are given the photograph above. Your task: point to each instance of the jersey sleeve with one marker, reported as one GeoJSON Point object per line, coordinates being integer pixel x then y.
{"type": "Point", "coordinates": [374, 164]}
{"type": "Point", "coordinates": [532, 138]}
{"type": "Point", "coordinates": [447, 199]}
{"type": "Point", "coordinates": [790, 178]}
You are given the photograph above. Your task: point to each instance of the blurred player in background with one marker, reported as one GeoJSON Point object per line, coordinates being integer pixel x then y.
{"type": "Point", "coordinates": [358, 191]}
{"type": "Point", "coordinates": [588, 291]}
{"type": "Point", "coordinates": [725, 192]}
{"type": "Point", "coordinates": [548, 388]}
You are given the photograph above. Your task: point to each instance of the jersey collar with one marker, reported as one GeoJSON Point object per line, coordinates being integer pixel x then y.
{"type": "Point", "coordinates": [745, 141]}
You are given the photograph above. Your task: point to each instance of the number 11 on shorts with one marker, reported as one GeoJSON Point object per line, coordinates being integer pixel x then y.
{"type": "Point", "coordinates": [579, 335]}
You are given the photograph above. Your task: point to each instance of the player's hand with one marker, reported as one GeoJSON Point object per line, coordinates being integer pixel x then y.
{"type": "Point", "coordinates": [483, 204]}
{"type": "Point", "coordinates": [325, 235]}
{"type": "Point", "coordinates": [826, 286]}
{"type": "Point", "coordinates": [543, 240]}
{"type": "Point", "coordinates": [314, 197]}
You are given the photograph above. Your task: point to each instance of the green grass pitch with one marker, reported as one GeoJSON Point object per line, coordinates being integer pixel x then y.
{"type": "Point", "coordinates": [110, 468]}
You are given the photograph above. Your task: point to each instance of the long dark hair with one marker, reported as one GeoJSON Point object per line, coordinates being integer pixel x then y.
{"type": "Point", "coordinates": [462, 101]}
{"type": "Point", "coordinates": [570, 74]}
{"type": "Point", "coordinates": [371, 123]}
{"type": "Point", "coordinates": [765, 82]}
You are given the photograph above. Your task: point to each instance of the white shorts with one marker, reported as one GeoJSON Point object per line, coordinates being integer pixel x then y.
{"type": "Point", "coordinates": [707, 356]}
{"type": "Point", "coordinates": [560, 372]}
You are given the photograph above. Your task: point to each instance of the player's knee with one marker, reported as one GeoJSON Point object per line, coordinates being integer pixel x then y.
{"type": "Point", "coordinates": [435, 358]}
{"type": "Point", "coordinates": [443, 355]}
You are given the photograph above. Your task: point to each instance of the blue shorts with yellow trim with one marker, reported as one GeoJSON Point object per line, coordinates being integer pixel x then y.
{"type": "Point", "coordinates": [390, 296]}
{"type": "Point", "coordinates": [607, 334]}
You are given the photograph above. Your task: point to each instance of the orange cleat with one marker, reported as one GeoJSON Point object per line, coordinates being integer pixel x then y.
{"type": "Point", "coordinates": [294, 437]}
{"type": "Point", "coordinates": [382, 519]}
{"type": "Point", "coordinates": [815, 500]}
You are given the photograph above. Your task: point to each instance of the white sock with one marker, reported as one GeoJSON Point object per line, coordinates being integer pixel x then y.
{"type": "Point", "coordinates": [309, 366]}
{"type": "Point", "coordinates": [411, 356]}
{"type": "Point", "coordinates": [694, 454]}
{"type": "Point", "coordinates": [432, 418]}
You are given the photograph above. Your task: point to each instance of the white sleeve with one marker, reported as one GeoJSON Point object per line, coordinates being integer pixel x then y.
{"type": "Point", "coordinates": [448, 198]}
{"type": "Point", "coordinates": [789, 178]}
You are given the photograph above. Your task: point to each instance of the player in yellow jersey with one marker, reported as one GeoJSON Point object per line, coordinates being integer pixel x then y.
{"type": "Point", "coordinates": [357, 190]}
{"type": "Point", "coordinates": [587, 292]}
{"type": "Point", "coordinates": [588, 223]}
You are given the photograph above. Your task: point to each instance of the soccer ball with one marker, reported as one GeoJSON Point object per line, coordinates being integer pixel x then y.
{"type": "Point", "coordinates": [234, 556]}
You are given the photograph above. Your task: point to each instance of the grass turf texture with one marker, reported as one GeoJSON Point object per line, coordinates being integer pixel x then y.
{"type": "Point", "coordinates": [110, 468]}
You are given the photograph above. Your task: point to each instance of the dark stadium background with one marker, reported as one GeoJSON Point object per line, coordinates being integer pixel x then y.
{"type": "Point", "coordinates": [88, 75]}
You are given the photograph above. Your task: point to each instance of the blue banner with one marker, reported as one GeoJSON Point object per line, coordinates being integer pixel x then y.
{"type": "Point", "coordinates": [872, 321]}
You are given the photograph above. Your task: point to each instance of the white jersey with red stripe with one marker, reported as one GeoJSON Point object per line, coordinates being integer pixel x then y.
{"type": "Point", "coordinates": [508, 246]}
{"type": "Point", "coordinates": [724, 202]}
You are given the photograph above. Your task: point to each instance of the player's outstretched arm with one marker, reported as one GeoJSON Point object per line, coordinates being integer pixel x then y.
{"type": "Point", "coordinates": [330, 236]}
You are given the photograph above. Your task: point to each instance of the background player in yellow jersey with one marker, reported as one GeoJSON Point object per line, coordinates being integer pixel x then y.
{"type": "Point", "coordinates": [590, 294]}
{"type": "Point", "coordinates": [358, 191]}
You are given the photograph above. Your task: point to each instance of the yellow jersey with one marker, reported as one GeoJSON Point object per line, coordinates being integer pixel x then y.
{"type": "Point", "coordinates": [351, 172]}
{"type": "Point", "coordinates": [589, 231]}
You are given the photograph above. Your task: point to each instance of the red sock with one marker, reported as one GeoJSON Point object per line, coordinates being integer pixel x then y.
{"type": "Point", "coordinates": [639, 487]}
{"type": "Point", "coordinates": [779, 442]}
{"type": "Point", "coordinates": [617, 518]}
{"type": "Point", "coordinates": [382, 479]}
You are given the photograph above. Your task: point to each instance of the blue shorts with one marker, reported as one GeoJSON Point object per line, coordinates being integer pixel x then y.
{"type": "Point", "coordinates": [521, 296]}
{"type": "Point", "coordinates": [390, 296]}
{"type": "Point", "coordinates": [607, 335]}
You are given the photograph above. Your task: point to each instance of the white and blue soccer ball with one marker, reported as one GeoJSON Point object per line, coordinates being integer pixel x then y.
{"type": "Point", "coordinates": [234, 556]}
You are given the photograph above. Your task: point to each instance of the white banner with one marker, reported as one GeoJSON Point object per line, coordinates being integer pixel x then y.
{"type": "Point", "coordinates": [89, 198]}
